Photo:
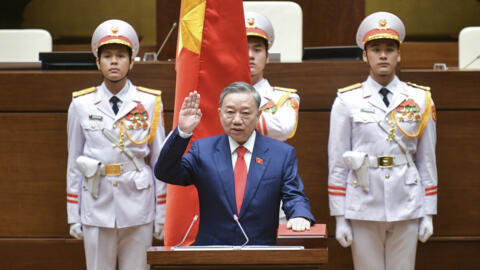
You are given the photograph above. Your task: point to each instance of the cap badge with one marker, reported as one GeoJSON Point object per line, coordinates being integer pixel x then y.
{"type": "Point", "coordinates": [382, 24]}
{"type": "Point", "coordinates": [251, 21]}
{"type": "Point", "coordinates": [114, 29]}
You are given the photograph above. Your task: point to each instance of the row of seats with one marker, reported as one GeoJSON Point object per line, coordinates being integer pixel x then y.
{"type": "Point", "coordinates": [286, 17]}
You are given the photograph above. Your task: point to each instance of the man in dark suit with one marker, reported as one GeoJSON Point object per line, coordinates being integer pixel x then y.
{"type": "Point", "coordinates": [240, 173]}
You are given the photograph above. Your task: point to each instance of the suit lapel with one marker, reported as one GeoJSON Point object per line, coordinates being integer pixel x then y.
{"type": "Point", "coordinates": [223, 160]}
{"type": "Point", "coordinates": [258, 163]}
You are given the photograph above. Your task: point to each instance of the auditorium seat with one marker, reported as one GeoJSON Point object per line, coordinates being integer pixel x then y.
{"type": "Point", "coordinates": [287, 20]}
{"type": "Point", "coordinates": [469, 48]}
{"type": "Point", "coordinates": [23, 45]}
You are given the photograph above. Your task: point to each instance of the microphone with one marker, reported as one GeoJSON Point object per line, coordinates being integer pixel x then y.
{"type": "Point", "coordinates": [244, 234]}
{"type": "Point", "coordinates": [186, 234]}
{"type": "Point", "coordinates": [174, 25]}
{"type": "Point", "coordinates": [471, 62]}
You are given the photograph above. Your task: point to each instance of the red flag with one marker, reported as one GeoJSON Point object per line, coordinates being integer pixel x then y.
{"type": "Point", "coordinates": [212, 52]}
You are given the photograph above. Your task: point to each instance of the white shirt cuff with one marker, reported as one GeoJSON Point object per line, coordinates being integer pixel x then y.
{"type": "Point", "coordinates": [184, 135]}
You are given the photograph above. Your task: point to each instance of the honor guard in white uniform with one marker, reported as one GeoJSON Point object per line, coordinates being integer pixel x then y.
{"type": "Point", "coordinates": [279, 105]}
{"type": "Point", "coordinates": [382, 182]}
{"type": "Point", "coordinates": [115, 134]}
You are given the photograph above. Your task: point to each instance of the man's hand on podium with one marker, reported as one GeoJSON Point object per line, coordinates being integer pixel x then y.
{"type": "Point", "coordinates": [298, 224]}
{"type": "Point", "coordinates": [76, 231]}
{"type": "Point", "coordinates": [158, 231]}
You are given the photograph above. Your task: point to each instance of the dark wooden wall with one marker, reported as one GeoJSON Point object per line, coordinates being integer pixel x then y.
{"type": "Point", "coordinates": [33, 152]}
{"type": "Point", "coordinates": [325, 22]}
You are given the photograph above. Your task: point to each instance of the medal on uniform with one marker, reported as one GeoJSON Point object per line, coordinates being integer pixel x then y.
{"type": "Point", "coordinates": [408, 110]}
{"type": "Point", "coordinates": [269, 107]}
{"type": "Point", "coordinates": [138, 117]}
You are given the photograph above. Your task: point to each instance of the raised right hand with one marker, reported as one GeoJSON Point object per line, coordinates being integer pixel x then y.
{"type": "Point", "coordinates": [190, 113]}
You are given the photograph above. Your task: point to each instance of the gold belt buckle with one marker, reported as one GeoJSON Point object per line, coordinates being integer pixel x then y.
{"type": "Point", "coordinates": [385, 162]}
{"type": "Point", "coordinates": [113, 170]}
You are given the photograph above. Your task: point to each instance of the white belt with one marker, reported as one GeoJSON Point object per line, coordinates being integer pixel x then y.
{"type": "Point", "coordinates": [386, 161]}
{"type": "Point", "coordinates": [115, 169]}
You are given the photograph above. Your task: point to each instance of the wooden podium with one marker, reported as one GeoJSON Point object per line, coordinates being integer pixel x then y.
{"type": "Point", "coordinates": [312, 256]}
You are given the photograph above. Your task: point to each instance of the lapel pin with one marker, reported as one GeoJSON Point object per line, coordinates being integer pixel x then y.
{"type": "Point", "coordinates": [259, 160]}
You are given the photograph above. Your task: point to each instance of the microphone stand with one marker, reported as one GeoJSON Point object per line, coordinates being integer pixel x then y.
{"type": "Point", "coordinates": [241, 228]}
{"type": "Point", "coordinates": [186, 234]}
{"type": "Point", "coordinates": [174, 25]}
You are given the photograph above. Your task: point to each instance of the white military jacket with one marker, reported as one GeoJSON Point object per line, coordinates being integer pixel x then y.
{"type": "Point", "coordinates": [134, 197]}
{"type": "Point", "coordinates": [398, 193]}
{"type": "Point", "coordinates": [279, 108]}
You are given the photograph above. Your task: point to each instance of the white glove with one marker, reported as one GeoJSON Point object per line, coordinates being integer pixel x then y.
{"type": "Point", "coordinates": [158, 231]}
{"type": "Point", "coordinates": [298, 224]}
{"type": "Point", "coordinates": [343, 231]}
{"type": "Point", "coordinates": [76, 231]}
{"type": "Point", "coordinates": [425, 229]}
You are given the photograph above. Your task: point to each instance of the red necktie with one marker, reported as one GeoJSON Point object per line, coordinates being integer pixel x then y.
{"type": "Point", "coordinates": [240, 174]}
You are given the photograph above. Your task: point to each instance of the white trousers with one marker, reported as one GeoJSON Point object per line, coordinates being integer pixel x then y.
{"type": "Point", "coordinates": [105, 246]}
{"type": "Point", "coordinates": [384, 245]}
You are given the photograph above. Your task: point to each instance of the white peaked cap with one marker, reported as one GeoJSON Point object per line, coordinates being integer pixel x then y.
{"type": "Point", "coordinates": [380, 25]}
{"type": "Point", "coordinates": [258, 25]}
{"type": "Point", "coordinates": [115, 32]}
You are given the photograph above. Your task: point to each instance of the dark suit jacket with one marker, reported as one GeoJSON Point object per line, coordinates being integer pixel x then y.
{"type": "Point", "coordinates": [272, 177]}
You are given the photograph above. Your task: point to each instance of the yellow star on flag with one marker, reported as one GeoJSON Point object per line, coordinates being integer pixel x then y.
{"type": "Point", "coordinates": [191, 25]}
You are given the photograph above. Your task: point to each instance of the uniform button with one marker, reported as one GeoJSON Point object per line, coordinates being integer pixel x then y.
{"type": "Point", "coordinates": [93, 126]}
{"type": "Point", "coordinates": [114, 126]}
{"type": "Point", "coordinates": [387, 176]}
{"type": "Point", "coordinates": [84, 187]}
{"type": "Point", "coordinates": [415, 180]}
{"type": "Point", "coordinates": [354, 183]}
{"type": "Point", "coordinates": [115, 184]}
{"type": "Point", "coordinates": [148, 185]}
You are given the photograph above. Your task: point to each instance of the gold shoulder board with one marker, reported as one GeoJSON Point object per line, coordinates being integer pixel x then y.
{"type": "Point", "coordinates": [291, 90]}
{"type": "Point", "coordinates": [349, 88]}
{"type": "Point", "coordinates": [150, 91]}
{"type": "Point", "coordinates": [84, 92]}
{"type": "Point", "coordinates": [426, 88]}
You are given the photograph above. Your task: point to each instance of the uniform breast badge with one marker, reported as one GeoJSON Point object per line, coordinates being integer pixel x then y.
{"type": "Point", "coordinates": [269, 107]}
{"type": "Point", "coordinates": [408, 110]}
{"type": "Point", "coordinates": [138, 118]}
